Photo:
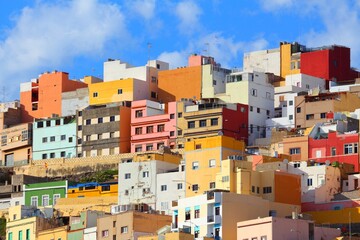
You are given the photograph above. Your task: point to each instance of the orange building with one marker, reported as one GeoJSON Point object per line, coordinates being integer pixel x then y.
{"type": "Point", "coordinates": [41, 98]}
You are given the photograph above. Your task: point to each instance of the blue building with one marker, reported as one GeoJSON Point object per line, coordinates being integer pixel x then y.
{"type": "Point", "coordinates": [54, 138]}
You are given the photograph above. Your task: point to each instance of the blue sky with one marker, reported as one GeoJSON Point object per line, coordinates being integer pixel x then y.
{"type": "Point", "coordinates": [78, 36]}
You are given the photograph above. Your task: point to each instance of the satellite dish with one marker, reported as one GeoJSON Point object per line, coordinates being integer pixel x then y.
{"type": "Point", "coordinates": [286, 161]}
{"type": "Point", "coordinates": [327, 162]}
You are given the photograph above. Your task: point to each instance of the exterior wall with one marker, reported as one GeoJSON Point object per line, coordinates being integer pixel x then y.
{"type": "Point", "coordinates": [180, 83]}
{"type": "Point", "coordinates": [175, 189]}
{"type": "Point", "coordinates": [287, 188]}
{"type": "Point", "coordinates": [153, 115]}
{"type": "Point", "coordinates": [282, 229]}
{"type": "Point", "coordinates": [93, 190]}
{"type": "Point", "coordinates": [213, 80]}
{"type": "Point", "coordinates": [10, 117]}
{"type": "Point", "coordinates": [296, 142]}
{"type": "Point", "coordinates": [286, 60]}
{"type": "Point", "coordinates": [321, 149]}
{"type": "Point", "coordinates": [336, 216]}
{"type": "Point", "coordinates": [201, 151]}
{"type": "Point", "coordinates": [16, 145]}
{"type": "Point", "coordinates": [108, 92]}
{"type": "Point", "coordinates": [54, 138]}
{"type": "Point", "coordinates": [263, 61]}
{"type": "Point", "coordinates": [74, 101]}
{"type": "Point", "coordinates": [55, 233]}
{"type": "Point", "coordinates": [27, 224]}
{"type": "Point", "coordinates": [137, 181]}
{"type": "Point", "coordinates": [136, 223]}
{"type": "Point", "coordinates": [42, 189]}
{"type": "Point", "coordinates": [90, 233]}
{"type": "Point", "coordinates": [42, 98]}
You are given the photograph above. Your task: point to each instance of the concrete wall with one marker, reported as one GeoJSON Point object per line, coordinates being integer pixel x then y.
{"type": "Point", "coordinates": [73, 101]}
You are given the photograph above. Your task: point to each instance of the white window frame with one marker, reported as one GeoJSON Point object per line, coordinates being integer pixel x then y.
{"type": "Point", "coordinates": [34, 198]}
{"type": "Point", "coordinates": [43, 197]}
{"type": "Point", "coordinates": [56, 197]}
{"type": "Point", "coordinates": [212, 163]}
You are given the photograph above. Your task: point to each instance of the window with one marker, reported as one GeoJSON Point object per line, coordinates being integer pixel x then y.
{"type": "Point", "coordinates": [88, 137]}
{"type": "Point", "coordinates": [119, 91]}
{"type": "Point", "coordinates": [263, 238]}
{"type": "Point", "coordinates": [146, 190]}
{"type": "Point", "coordinates": [172, 133]}
{"type": "Point", "coordinates": [179, 114]}
{"type": "Point", "coordinates": [179, 186]}
{"type": "Point", "coordinates": [268, 112]}
{"type": "Point", "coordinates": [124, 229]}
{"type": "Point", "coordinates": [291, 102]}
{"type": "Point", "coordinates": [172, 116]}
{"type": "Point", "coordinates": [294, 151]}
{"type": "Point", "coordinates": [4, 140]}
{"type": "Point", "coordinates": [145, 174]}
{"type": "Point", "coordinates": [149, 129]}
{"type": "Point", "coordinates": [45, 200]}
{"type": "Point", "coordinates": [24, 135]}
{"type": "Point", "coordinates": [251, 128]}
{"type": "Point", "coordinates": [88, 121]}
{"type": "Point", "coordinates": [114, 223]}
{"type": "Point", "coordinates": [95, 94]}
{"type": "Point", "coordinates": [251, 108]}
{"type": "Point", "coordinates": [79, 113]}
{"type": "Point", "coordinates": [160, 145]}
{"type": "Point", "coordinates": [333, 151]}
{"type": "Point", "coordinates": [44, 139]}
{"type": "Point", "coordinates": [10, 236]}
{"type": "Point", "coordinates": [127, 175]}
{"type": "Point", "coordinates": [55, 198]}
{"type": "Point", "coordinates": [212, 185]}
{"type": "Point", "coordinates": [112, 118]}
{"type": "Point", "coordinates": [62, 137]}
{"type": "Point", "coordinates": [153, 79]}
{"type": "Point", "coordinates": [202, 123]}
{"type": "Point", "coordinates": [34, 201]}
{"type": "Point", "coordinates": [52, 139]}
{"type": "Point", "coordinates": [44, 156]}
{"type": "Point", "coordinates": [195, 187]}
{"type": "Point", "coordinates": [225, 179]}
{"type": "Point", "coordinates": [126, 192]}
{"type": "Point", "coordinates": [161, 128]}
{"type": "Point", "coordinates": [100, 120]}
{"type": "Point", "coordinates": [163, 188]}
{"type": "Point", "coordinates": [153, 94]}
{"type": "Point", "coordinates": [309, 182]}
{"type": "Point", "coordinates": [187, 214]}
{"type": "Point", "coordinates": [214, 121]}
{"type": "Point", "coordinates": [20, 235]}
{"type": "Point", "coordinates": [105, 188]}
{"type": "Point", "coordinates": [197, 213]}
{"type": "Point", "coordinates": [291, 117]}
{"type": "Point", "coordinates": [105, 233]}
{"type": "Point", "coordinates": [214, 82]}
{"type": "Point", "coordinates": [350, 148]}
{"type": "Point", "coordinates": [149, 147]}
{"type": "Point", "coordinates": [253, 92]}
{"type": "Point", "coordinates": [322, 115]}
{"type": "Point", "coordinates": [266, 190]}
{"type": "Point", "coordinates": [198, 146]}
{"type": "Point", "coordinates": [27, 234]}
{"type": "Point", "coordinates": [138, 130]}
{"type": "Point", "coordinates": [195, 165]}
{"type": "Point", "coordinates": [70, 139]}
{"type": "Point", "coordinates": [138, 113]}
{"type": "Point", "coordinates": [298, 109]}
{"type": "Point", "coordinates": [138, 148]}
{"type": "Point", "coordinates": [112, 134]}
{"type": "Point", "coordinates": [217, 210]}
{"type": "Point", "coordinates": [40, 124]}
{"type": "Point", "coordinates": [52, 155]}
{"type": "Point", "coordinates": [191, 124]}
{"type": "Point", "coordinates": [258, 110]}
{"type": "Point", "coordinates": [212, 163]}
{"type": "Point", "coordinates": [309, 116]}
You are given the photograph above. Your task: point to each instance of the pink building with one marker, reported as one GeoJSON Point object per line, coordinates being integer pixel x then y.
{"type": "Point", "coordinates": [275, 228]}
{"type": "Point", "coordinates": [152, 125]}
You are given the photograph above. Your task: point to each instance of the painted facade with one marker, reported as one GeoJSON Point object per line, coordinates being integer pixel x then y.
{"type": "Point", "coordinates": [93, 189]}
{"type": "Point", "coordinates": [44, 194]}
{"type": "Point", "coordinates": [153, 125]}
{"type": "Point", "coordinates": [16, 144]}
{"type": "Point", "coordinates": [203, 160]}
{"type": "Point", "coordinates": [77, 224]}
{"type": "Point", "coordinates": [42, 97]}
{"type": "Point", "coordinates": [74, 101]}
{"type": "Point", "coordinates": [59, 233]}
{"type": "Point", "coordinates": [54, 138]}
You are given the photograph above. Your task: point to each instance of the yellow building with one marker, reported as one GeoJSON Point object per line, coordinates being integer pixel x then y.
{"type": "Point", "coordinates": [129, 89]}
{"type": "Point", "coordinates": [289, 60]}
{"type": "Point", "coordinates": [59, 233]}
{"type": "Point", "coordinates": [93, 189]}
{"type": "Point", "coordinates": [172, 236]}
{"type": "Point", "coordinates": [165, 157]}
{"type": "Point", "coordinates": [203, 159]}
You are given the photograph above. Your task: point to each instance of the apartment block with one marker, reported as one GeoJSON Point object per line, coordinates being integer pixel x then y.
{"type": "Point", "coordinates": [103, 130]}
{"type": "Point", "coordinates": [153, 125]}
{"type": "Point", "coordinates": [44, 193]}
{"type": "Point", "coordinates": [42, 97]}
{"type": "Point", "coordinates": [16, 144]}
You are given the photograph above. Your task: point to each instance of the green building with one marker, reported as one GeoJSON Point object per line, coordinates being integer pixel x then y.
{"type": "Point", "coordinates": [44, 194]}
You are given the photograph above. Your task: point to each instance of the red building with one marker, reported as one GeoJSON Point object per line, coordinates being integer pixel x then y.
{"type": "Point", "coordinates": [335, 147]}
{"type": "Point", "coordinates": [330, 63]}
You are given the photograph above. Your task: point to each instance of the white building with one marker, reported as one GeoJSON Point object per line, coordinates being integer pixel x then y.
{"type": "Point", "coordinates": [253, 89]}
{"type": "Point", "coordinates": [73, 101]}
{"type": "Point", "coordinates": [171, 187]}
{"type": "Point", "coordinates": [138, 181]}
{"type": "Point", "coordinates": [284, 100]}
{"type": "Point", "coordinates": [263, 61]}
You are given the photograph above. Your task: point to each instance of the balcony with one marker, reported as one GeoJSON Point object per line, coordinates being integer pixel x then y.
{"type": "Point", "coordinates": [210, 218]}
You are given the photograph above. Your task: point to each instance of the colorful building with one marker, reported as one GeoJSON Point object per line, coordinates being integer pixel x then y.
{"type": "Point", "coordinates": [42, 97]}
{"type": "Point", "coordinates": [130, 224]}
{"type": "Point", "coordinates": [104, 130]}
{"type": "Point", "coordinates": [54, 138]}
{"type": "Point", "coordinates": [77, 224]}
{"type": "Point", "coordinates": [283, 229]}
{"type": "Point", "coordinates": [93, 189]}
{"type": "Point", "coordinates": [216, 214]}
{"type": "Point", "coordinates": [203, 160]}
{"type": "Point", "coordinates": [58, 233]}
{"type": "Point", "coordinates": [44, 194]}
{"type": "Point", "coordinates": [211, 118]}
{"type": "Point", "coordinates": [153, 125]}
{"type": "Point", "coordinates": [16, 144]}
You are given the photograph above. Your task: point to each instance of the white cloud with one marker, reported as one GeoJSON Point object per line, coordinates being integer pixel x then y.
{"type": "Point", "coordinates": [188, 13]}
{"type": "Point", "coordinates": [225, 50]}
{"type": "Point", "coordinates": [53, 34]}
{"type": "Point", "coordinates": [275, 4]}
{"type": "Point", "coordinates": [145, 8]}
